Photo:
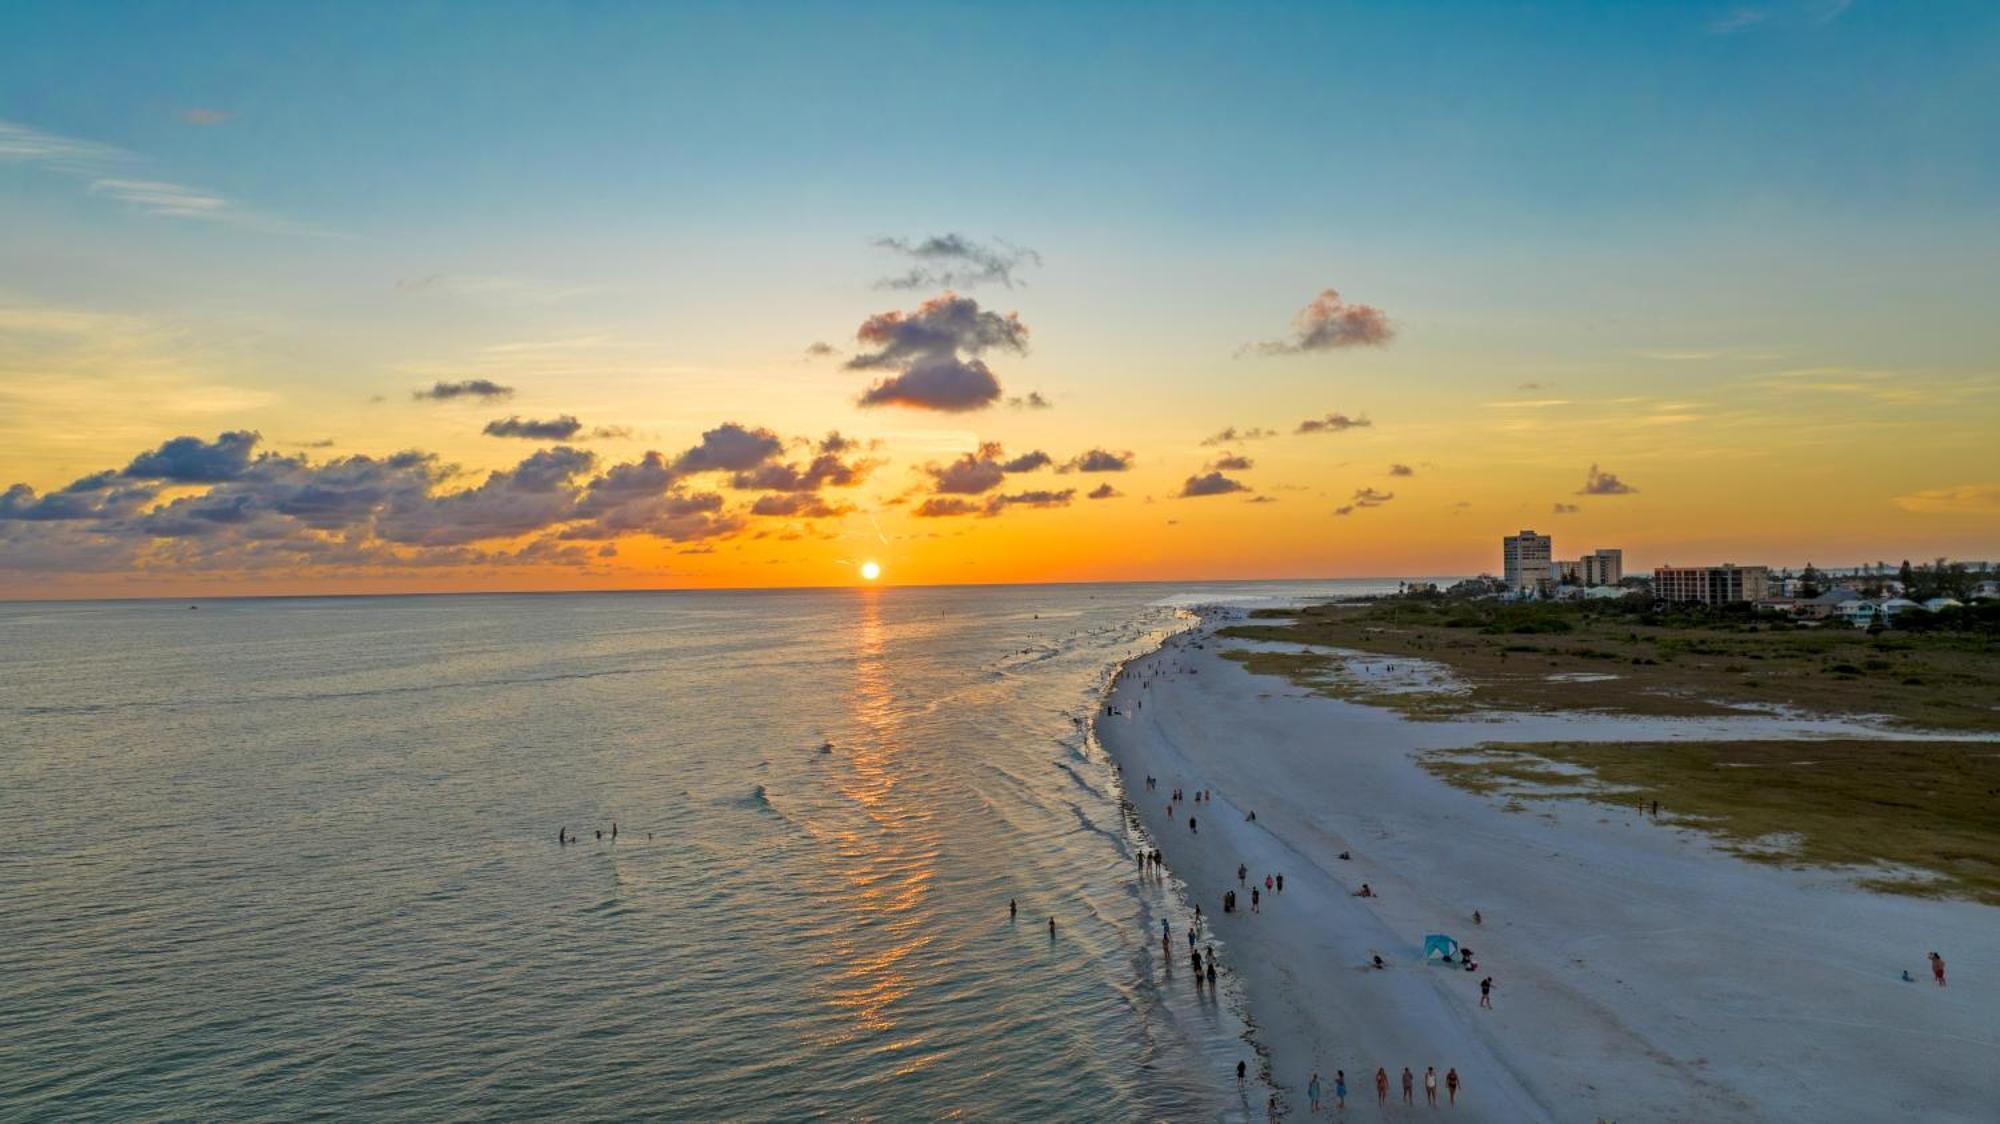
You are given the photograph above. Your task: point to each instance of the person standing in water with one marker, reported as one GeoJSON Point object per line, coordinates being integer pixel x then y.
{"type": "Point", "coordinates": [614, 831]}
{"type": "Point", "coordinates": [1937, 969]}
{"type": "Point", "coordinates": [1451, 1086]}
{"type": "Point", "coordinates": [1312, 1091]}
{"type": "Point", "coordinates": [560, 833]}
{"type": "Point", "coordinates": [1052, 928]}
{"type": "Point", "coordinates": [1340, 1088]}
{"type": "Point", "coordinates": [1409, 1086]}
{"type": "Point", "coordinates": [1431, 1085]}
{"type": "Point", "coordinates": [1012, 909]}
{"type": "Point", "coordinates": [1239, 1071]}
{"type": "Point", "coordinates": [1381, 1085]}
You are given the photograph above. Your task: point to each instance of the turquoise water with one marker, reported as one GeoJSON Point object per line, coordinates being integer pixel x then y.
{"type": "Point", "coordinates": [298, 857]}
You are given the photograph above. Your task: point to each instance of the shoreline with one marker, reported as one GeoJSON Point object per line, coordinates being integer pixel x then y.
{"type": "Point", "coordinates": [1640, 973]}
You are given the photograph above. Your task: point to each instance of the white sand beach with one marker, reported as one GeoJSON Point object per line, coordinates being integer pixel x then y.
{"type": "Point", "coordinates": [1639, 973]}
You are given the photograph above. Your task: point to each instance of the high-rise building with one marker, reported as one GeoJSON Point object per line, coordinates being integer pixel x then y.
{"type": "Point", "coordinates": [1602, 567]}
{"type": "Point", "coordinates": [1527, 559]}
{"type": "Point", "coordinates": [1711, 585]}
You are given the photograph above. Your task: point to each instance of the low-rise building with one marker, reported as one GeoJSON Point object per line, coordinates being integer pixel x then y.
{"type": "Point", "coordinates": [1711, 585]}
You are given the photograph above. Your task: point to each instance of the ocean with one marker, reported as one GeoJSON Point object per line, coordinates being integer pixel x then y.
{"type": "Point", "coordinates": [298, 857]}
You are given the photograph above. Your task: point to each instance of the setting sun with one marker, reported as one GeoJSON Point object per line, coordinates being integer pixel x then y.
{"type": "Point", "coordinates": [870, 571]}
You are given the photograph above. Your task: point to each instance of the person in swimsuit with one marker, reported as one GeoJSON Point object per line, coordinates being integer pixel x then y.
{"type": "Point", "coordinates": [1486, 992]}
{"type": "Point", "coordinates": [1431, 1085]}
{"type": "Point", "coordinates": [1451, 1085]}
{"type": "Point", "coordinates": [1340, 1088]}
{"type": "Point", "coordinates": [1381, 1085]}
{"type": "Point", "coordinates": [1409, 1086]}
{"type": "Point", "coordinates": [1312, 1091]}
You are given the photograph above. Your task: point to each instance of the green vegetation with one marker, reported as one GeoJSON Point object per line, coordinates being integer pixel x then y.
{"type": "Point", "coordinates": [1632, 656]}
{"type": "Point", "coordinates": [1926, 807]}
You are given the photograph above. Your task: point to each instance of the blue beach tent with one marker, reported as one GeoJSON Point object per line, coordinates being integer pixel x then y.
{"type": "Point", "coordinates": [1438, 942]}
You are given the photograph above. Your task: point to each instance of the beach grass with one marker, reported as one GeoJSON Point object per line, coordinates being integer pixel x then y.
{"type": "Point", "coordinates": [1568, 657]}
{"type": "Point", "coordinates": [1918, 817]}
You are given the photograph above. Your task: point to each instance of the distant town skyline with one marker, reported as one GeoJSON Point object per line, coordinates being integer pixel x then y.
{"type": "Point", "coordinates": [525, 296]}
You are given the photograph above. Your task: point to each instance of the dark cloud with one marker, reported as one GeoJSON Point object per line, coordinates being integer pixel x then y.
{"type": "Point", "coordinates": [1100, 460]}
{"type": "Point", "coordinates": [953, 261]}
{"type": "Point", "coordinates": [470, 388]}
{"type": "Point", "coordinates": [1104, 492]}
{"type": "Point", "coordinates": [1369, 497]}
{"type": "Point", "coordinates": [996, 504]}
{"type": "Point", "coordinates": [1232, 435]}
{"type": "Point", "coordinates": [824, 470]}
{"type": "Point", "coordinates": [1262, 499]}
{"type": "Point", "coordinates": [1328, 323]}
{"type": "Point", "coordinates": [925, 348]}
{"type": "Point", "coordinates": [1345, 510]}
{"type": "Point", "coordinates": [938, 507]}
{"type": "Point", "coordinates": [1401, 470]}
{"type": "Point", "coordinates": [1033, 400]}
{"type": "Point", "coordinates": [833, 442]}
{"type": "Point", "coordinates": [554, 429]}
{"type": "Point", "coordinates": [730, 447]}
{"type": "Point", "coordinates": [190, 460]}
{"type": "Point", "coordinates": [1211, 484]}
{"type": "Point", "coordinates": [982, 470]}
{"type": "Point", "coordinates": [534, 494]}
{"type": "Point", "coordinates": [1566, 509]}
{"type": "Point", "coordinates": [798, 505]}
{"type": "Point", "coordinates": [102, 495]}
{"type": "Point", "coordinates": [1604, 484]}
{"type": "Point", "coordinates": [820, 349]}
{"type": "Point", "coordinates": [1232, 462]}
{"type": "Point", "coordinates": [1332, 423]}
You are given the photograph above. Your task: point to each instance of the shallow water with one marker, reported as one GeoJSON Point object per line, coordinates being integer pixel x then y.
{"type": "Point", "coordinates": [291, 857]}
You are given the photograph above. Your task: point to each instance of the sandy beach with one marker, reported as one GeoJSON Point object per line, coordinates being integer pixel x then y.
{"type": "Point", "coordinates": [1639, 973]}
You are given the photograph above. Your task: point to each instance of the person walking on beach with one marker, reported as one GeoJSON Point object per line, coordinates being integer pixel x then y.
{"type": "Point", "coordinates": [1281, 883]}
{"type": "Point", "coordinates": [1312, 1091]}
{"type": "Point", "coordinates": [1242, 874]}
{"type": "Point", "coordinates": [1340, 1088]}
{"type": "Point", "coordinates": [1937, 969]}
{"type": "Point", "coordinates": [1451, 1086]}
{"type": "Point", "coordinates": [1486, 990]}
{"type": "Point", "coordinates": [1381, 1085]}
{"type": "Point", "coordinates": [1255, 898]}
{"type": "Point", "coordinates": [1409, 1086]}
{"type": "Point", "coordinates": [1431, 1085]}
{"type": "Point", "coordinates": [1192, 827]}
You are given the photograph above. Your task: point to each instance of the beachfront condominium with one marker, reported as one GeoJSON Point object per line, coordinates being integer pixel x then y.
{"type": "Point", "coordinates": [1601, 567]}
{"type": "Point", "coordinates": [1711, 585]}
{"type": "Point", "coordinates": [1528, 560]}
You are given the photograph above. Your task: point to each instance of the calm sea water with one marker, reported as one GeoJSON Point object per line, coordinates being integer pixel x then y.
{"type": "Point", "coordinates": [298, 858]}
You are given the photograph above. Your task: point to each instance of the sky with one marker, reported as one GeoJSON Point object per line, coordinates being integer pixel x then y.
{"type": "Point", "coordinates": [334, 298]}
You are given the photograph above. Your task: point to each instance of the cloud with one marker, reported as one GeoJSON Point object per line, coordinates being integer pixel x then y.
{"type": "Point", "coordinates": [730, 447]}
{"type": "Point", "coordinates": [953, 261]}
{"type": "Point", "coordinates": [1262, 499]}
{"type": "Point", "coordinates": [200, 116]}
{"type": "Point", "coordinates": [190, 460]}
{"type": "Point", "coordinates": [1032, 401]}
{"type": "Point", "coordinates": [1329, 323]}
{"type": "Point", "coordinates": [820, 349]}
{"type": "Point", "coordinates": [116, 174]}
{"type": "Point", "coordinates": [925, 346]}
{"type": "Point", "coordinates": [1233, 462]}
{"type": "Point", "coordinates": [1369, 497]}
{"type": "Point", "coordinates": [1566, 509]}
{"type": "Point", "coordinates": [1332, 423]}
{"type": "Point", "coordinates": [484, 389]}
{"type": "Point", "coordinates": [798, 505]}
{"type": "Point", "coordinates": [996, 504]}
{"type": "Point", "coordinates": [824, 470]}
{"type": "Point", "coordinates": [1964, 499]}
{"type": "Point", "coordinates": [1604, 484]}
{"type": "Point", "coordinates": [1100, 460]}
{"type": "Point", "coordinates": [982, 470]}
{"type": "Point", "coordinates": [232, 511]}
{"type": "Point", "coordinates": [1028, 462]}
{"type": "Point", "coordinates": [1104, 492]}
{"type": "Point", "coordinates": [1211, 484]}
{"type": "Point", "coordinates": [1232, 435]}
{"type": "Point", "coordinates": [1738, 20]}
{"type": "Point", "coordinates": [553, 429]}
{"type": "Point", "coordinates": [938, 507]}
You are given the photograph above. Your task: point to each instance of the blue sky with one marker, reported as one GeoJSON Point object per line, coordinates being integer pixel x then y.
{"type": "Point", "coordinates": [310, 205]}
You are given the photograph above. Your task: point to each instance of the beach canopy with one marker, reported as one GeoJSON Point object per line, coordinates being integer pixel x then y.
{"type": "Point", "coordinates": [1438, 942]}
